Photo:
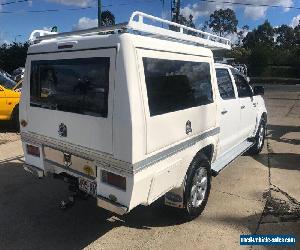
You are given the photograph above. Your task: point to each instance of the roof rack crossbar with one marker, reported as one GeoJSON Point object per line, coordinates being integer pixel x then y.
{"type": "Point", "coordinates": [104, 29]}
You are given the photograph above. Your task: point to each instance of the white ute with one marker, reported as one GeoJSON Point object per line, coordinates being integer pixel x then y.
{"type": "Point", "coordinates": [135, 112]}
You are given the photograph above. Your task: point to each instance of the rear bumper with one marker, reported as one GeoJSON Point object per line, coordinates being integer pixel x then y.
{"type": "Point", "coordinates": [101, 201]}
{"type": "Point", "coordinates": [111, 206]}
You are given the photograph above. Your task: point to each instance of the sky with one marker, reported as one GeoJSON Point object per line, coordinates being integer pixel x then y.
{"type": "Point", "coordinates": [18, 19]}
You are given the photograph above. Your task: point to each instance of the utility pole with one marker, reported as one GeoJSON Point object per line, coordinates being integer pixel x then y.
{"type": "Point", "coordinates": [175, 10]}
{"type": "Point", "coordinates": [99, 13]}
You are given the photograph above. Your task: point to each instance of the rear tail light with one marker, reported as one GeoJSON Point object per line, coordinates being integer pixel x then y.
{"type": "Point", "coordinates": [114, 180]}
{"type": "Point", "coordinates": [33, 150]}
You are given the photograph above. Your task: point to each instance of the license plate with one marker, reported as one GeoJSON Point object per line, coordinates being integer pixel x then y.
{"type": "Point", "coordinates": [88, 187]}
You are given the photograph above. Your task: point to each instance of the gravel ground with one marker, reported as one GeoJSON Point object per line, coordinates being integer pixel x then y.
{"type": "Point", "coordinates": [7, 133]}
{"type": "Point", "coordinates": [254, 195]}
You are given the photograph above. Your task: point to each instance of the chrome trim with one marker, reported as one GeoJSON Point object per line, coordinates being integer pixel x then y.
{"type": "Point", "coordinates": [111, 206]}
{"type": "Point", "coordinates": [173, 150]}
{"type": "Point", "coordinates": [107, 161]}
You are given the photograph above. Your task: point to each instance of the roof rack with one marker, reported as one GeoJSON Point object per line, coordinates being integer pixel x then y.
{"type": "Point", "coordinates": [186, 34]}
{"type": "Point", "coordinates": [136, 23]}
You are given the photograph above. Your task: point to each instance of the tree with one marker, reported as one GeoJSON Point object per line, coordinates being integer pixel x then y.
{"type": "Point", "coordinates": [259, 60]}
{"type": "Point", "coordinates": [297, 34]}
{"type": "Point", "coordinates": [223, 22]}
{"type": "Point", "coordinates": [262, 36]}
{"type": "Point", "coordinates": [13, 56]}
{"type": "Point", "coordinates": [241, 34]}
{"type": "Point", "coordinates": [107, 18]}
{"type": "Point", "coordinates": [182, 20]}
{"type": "Point", "coordinates": [285, 36]}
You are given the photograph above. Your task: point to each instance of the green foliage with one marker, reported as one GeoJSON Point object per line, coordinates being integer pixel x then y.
{"type": "Point", "coordinates": [223, 22]}
{"type": "Point", "coordinates": [263, 35]}
{"type": "Point", "coordinates": [13, 56]}
{"type": "Point", "coordinates": [259, 59]}
{"type": "Point", "coordinates": [107, 18]}
{"type": "Point", "coordinates": [187, 22]}
{"type": "Point", "coordinates": [240, 54]}
{"type": "Point", "coordinates": [273, 51]}
{"type": "Point", "coordinates": [285, 36]}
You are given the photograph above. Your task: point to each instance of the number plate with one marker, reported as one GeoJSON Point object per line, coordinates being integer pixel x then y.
{"type": "Point", "coordinates": [88, 187]}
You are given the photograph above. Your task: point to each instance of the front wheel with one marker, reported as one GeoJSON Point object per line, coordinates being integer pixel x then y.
{"type": "Point", "coordinates": [197, 187]}
{"type": "Point", "coordinates": [259, 139]}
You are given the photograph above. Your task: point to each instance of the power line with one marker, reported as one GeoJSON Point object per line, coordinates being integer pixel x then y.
{"type": "Point", "coordinates": [47, 10]}
{"type": "Point", "coordinates": [251, 4]}
{"type": "Point", "coordinates": [70, 9]}
{"type": "Point", "coordinates": [137, 1]}
{"type": "Point", "coordinates": [13, 2]}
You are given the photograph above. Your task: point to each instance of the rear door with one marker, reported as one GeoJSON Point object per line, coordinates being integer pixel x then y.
{"type": "Point", "coordinates": [247, 106]}
{"type": "Point", "coordinates": [230, 111]}
{"type": "Point", "coordinates": [74, 92]}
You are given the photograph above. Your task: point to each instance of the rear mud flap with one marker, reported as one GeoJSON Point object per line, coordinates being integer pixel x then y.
{"type": "Point", "coordinates": [34, 170]}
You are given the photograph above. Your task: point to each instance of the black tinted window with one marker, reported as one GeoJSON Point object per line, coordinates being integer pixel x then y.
{"type": "Point", "coordinates": [243, 88]}
{"type": "Point", "coordinates": [71, 85]}
{"type": "Point", "coordinates": [225, 84]}
{"type": "Point", "coordinates": [176, 85]}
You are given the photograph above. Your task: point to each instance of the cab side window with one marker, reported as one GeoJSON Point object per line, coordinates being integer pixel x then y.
{"type": "Point", "coordinates": [225, 84]}
{"type": "Point", "coordinates": [243, 88]}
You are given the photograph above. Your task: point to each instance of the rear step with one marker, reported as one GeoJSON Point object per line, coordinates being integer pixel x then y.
{"type": "Point", "coordinates": [230, 156]}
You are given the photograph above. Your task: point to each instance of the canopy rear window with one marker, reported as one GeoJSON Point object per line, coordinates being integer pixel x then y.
{"type": "Point", "coordinates": [174, 85]}
{"type": "Point", "coordinates": [78, 85]}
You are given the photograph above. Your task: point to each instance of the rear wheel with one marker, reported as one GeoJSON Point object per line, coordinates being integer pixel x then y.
{"type": "Point", "coordinates": [197, 187]}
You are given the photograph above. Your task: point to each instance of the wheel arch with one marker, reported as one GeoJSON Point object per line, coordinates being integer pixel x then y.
{"type": "Point", "coordinates": [208, 151]}
{"type": "Point", "coordinates": [16, 107]}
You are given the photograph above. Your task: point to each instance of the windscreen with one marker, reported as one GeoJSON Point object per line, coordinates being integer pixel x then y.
{"type": "Point", "coordinates": [71, 85]}
{"type": "Point", "coordinates": [6, 82]}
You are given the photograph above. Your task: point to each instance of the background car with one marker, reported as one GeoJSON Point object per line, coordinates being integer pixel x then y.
{"type": "Point", "coordinates": [9, 100]}
{"type": "Point", "coordinates": [3, 72]}
{"type": "Point", "coordinates": [18, 74]}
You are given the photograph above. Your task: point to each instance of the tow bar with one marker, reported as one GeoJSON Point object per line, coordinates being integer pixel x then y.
{"type": "Point", "coordinates": [75, 192]}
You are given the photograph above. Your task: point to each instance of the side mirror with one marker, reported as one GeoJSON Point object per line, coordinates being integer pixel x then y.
{"type": "Point", "coordinates": [259, 90]}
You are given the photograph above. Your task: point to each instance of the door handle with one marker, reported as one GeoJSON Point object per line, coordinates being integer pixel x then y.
{"type": "Point", "coordinates": [243, 106]}
{"type": "Point", "coordinates": [224, 112]}
{"type": "Point", "coordinates": [254, 104]}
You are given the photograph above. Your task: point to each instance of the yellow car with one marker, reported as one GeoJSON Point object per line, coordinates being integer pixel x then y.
{"type": "Point", "coordinates": [9, 100]}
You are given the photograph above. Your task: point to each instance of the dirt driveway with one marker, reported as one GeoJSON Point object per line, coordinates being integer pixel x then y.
{"type": "Point", "coordinates": [252, 195]}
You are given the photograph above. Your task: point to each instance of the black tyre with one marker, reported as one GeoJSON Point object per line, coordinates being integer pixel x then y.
{"type": "Point", "coordinates": [259, 139]}
{"type": "Point", "coordinates": [197, 186]}
{"type": "Point", "coordinates": [15, 118]}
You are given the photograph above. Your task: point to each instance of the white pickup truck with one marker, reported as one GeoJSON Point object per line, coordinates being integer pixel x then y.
{"type": "Point", "coordinates": [135, 112]}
